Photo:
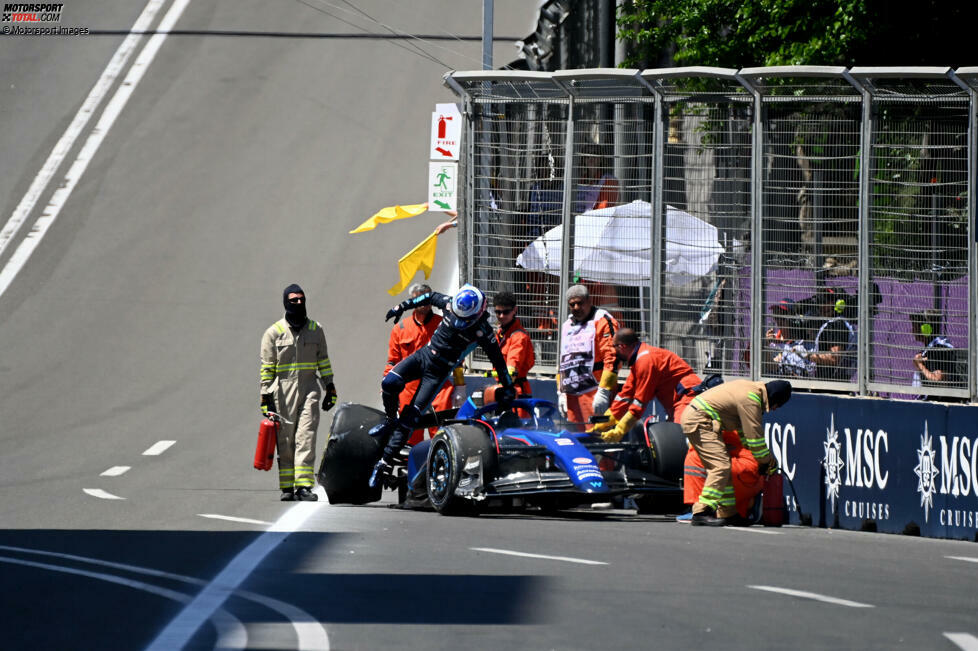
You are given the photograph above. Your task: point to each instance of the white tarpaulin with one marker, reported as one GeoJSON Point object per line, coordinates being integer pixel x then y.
{"type": "Point", "coordinates": [613, 245]}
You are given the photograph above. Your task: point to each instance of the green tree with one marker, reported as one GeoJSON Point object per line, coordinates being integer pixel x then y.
{"type": "Point", "coordinates": [749, 33]}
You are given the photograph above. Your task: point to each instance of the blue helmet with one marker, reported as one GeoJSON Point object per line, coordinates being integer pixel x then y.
{"type": "Point", "coordinates": [468, 304]}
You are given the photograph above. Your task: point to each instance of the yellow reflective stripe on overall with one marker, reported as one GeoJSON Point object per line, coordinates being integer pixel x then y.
{"type": "Point", "coordinates": [703, 406]}
{"type": "Point", "coordinates": [756, 398]}
{"type": "Point", "coordinates": [758, 447]}
{"type": "Point", "coordinates": [728, 498]}
{"type": "Point", "coordinates": [296, 366]}
{"type": "Point", "coordinates": [711, 497]}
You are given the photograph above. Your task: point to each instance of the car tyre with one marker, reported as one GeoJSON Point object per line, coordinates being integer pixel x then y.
{"type": "Point", "coordinates": [450, 450]}
{"type": "Point", "coordinates": [668, 448]}
{"type": "Point", "coordinates": [350, 455]}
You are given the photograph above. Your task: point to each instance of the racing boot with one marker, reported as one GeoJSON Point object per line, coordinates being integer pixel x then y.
{"type": "Point", "coordinates": [303, 494]}
{"type": "Point", "coordinates": [381, 472]}
{"type": "Point", "coordinates": [383, 431]}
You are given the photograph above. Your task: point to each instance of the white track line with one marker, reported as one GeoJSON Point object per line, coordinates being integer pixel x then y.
{"type": "Point", "coordinates": [101, 494]}
{"type": "Point", "coordinates": [182, 628]}
{"type": "Point", "coordinates": [231, 518]}
{"type": "Point", "coordinates": [963, 558]}
{"type": "Point", "coordinates": [95, 138]}
{"type": "Point", "coordinates": [964, 641]}
{"type": "Point", "coordinates": [763, 530]}
{"type": "Point", "coordinates": [812, 595]}
{"type": "Point", "coordinates": [157, 448]}
{"type": "Point", "coordinates": [67, 140]}
{"type": "Point", "coordinates": [231, 632]}
{"type": "Point", "coordinates": [311, 634]}
{"type": "Point", "coordinates": [115, 471]}
{"type": "Point", "coordinates": [565, 559]}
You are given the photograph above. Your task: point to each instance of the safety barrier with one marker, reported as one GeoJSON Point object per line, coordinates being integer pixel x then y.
{"type": "Point", "coordinates": [864, 464]}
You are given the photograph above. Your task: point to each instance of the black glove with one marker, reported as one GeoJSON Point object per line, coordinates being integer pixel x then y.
{"type": "Point", "coordinates": [267, 403]}
{"type": "Point", "coordinates": [330, 399]}
{"type": "Point", "coordinates": [506, 395]}
{"type": "Point", "coordinates": [769, 467]}
{"type": "Point", "coordinates": [394, 313]}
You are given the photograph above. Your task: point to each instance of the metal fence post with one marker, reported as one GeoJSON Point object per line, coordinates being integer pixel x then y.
{"type": "Point", "coordinates": [757, 222]}
{"type": "Point", "coordinates": [865, 182]}
{"type": "Point", "coordinates": [968, 77]}
{"type": "Point", "coordinates": [567, 235]}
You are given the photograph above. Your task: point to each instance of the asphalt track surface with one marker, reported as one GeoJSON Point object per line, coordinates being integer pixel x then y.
{"type": "Point", "coordinates": [239, 160]}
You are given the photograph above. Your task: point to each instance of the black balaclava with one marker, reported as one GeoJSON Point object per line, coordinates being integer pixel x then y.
{"type": "Point", "coordinates": [295, 313]}
{"type": "Point", "coordinates": [778, 393]}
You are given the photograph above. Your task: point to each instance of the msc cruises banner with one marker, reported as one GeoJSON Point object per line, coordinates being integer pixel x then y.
{"type": "Point", "coordinates": [900, 464]}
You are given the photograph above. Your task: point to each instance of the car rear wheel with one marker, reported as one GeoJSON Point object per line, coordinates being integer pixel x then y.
{"type": "Point", "coordinates": [668, 447]}
{"type": "Point", "coordinates": [350, 455]}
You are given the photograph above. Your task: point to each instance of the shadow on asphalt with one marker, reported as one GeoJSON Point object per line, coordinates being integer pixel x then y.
{"type": "Point", "coordinates": [68, 589]}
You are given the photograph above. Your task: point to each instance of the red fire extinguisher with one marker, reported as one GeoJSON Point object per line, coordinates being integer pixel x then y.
{"type": "Point", "coordinates": [775, 511]}
{"type": "Point", "coordinates": [267, 437]}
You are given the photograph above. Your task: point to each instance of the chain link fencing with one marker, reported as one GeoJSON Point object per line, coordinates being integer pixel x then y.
{"type": "Point", "coordinates": [815, 223]}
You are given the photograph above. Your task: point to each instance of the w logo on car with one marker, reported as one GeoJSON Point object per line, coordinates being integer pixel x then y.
{"type": "Point", "coordinates": [596, 484]}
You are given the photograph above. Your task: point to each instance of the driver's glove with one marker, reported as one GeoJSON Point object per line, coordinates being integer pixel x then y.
{"type": "Point", "coordinates": [506, 395]}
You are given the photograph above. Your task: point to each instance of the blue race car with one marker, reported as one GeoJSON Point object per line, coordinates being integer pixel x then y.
{"type": "Point", "coordinates": [489, 457]}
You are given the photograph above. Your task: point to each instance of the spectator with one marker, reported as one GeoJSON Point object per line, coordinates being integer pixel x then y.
{"type": "Point", "coordinates": [597, 187]}
{"type": "Point", "coordinates": [834, 348]}
{"type": "Point", "coordinates": [790, 352]}
{"type": "Point", "coordinates": [936, 365]}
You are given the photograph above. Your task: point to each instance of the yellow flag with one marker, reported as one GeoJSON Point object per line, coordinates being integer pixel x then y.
{"type": "Point", "coordinates": [389, 214]}
{"type": "Point", "coordinates": [420, 258]}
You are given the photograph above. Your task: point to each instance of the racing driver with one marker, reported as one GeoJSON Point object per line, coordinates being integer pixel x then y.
{"type": "Point", "coordinates": [465, 325]}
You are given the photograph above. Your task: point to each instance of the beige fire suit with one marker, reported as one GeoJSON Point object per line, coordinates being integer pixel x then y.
{"type": "Point", "coordinates": [734, 405]}
{"type": "Point", "coordinates": [290, 363]}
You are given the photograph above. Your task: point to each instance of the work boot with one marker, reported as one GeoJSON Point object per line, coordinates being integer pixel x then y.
{"type": "Point", "coordinates": [287, 495]}
{"type": "Point", "coordinates": [382, 470]}
{"type": "Point", "coordinates": [707, 518]}
{"type": "Point", "coordinates": [738, 520]}
{"type": "Point", "coordinates": [303, 494]}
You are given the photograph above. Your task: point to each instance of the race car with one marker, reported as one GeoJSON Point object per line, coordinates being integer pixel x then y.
{"type": "Point", "coordinates": [485, 457]}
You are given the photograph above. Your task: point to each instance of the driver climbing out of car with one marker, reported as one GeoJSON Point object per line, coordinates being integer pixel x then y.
{"type": "Point", "coordinates": [464, 326]}
{"type": "Point", "coordinates": [655, 373]}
